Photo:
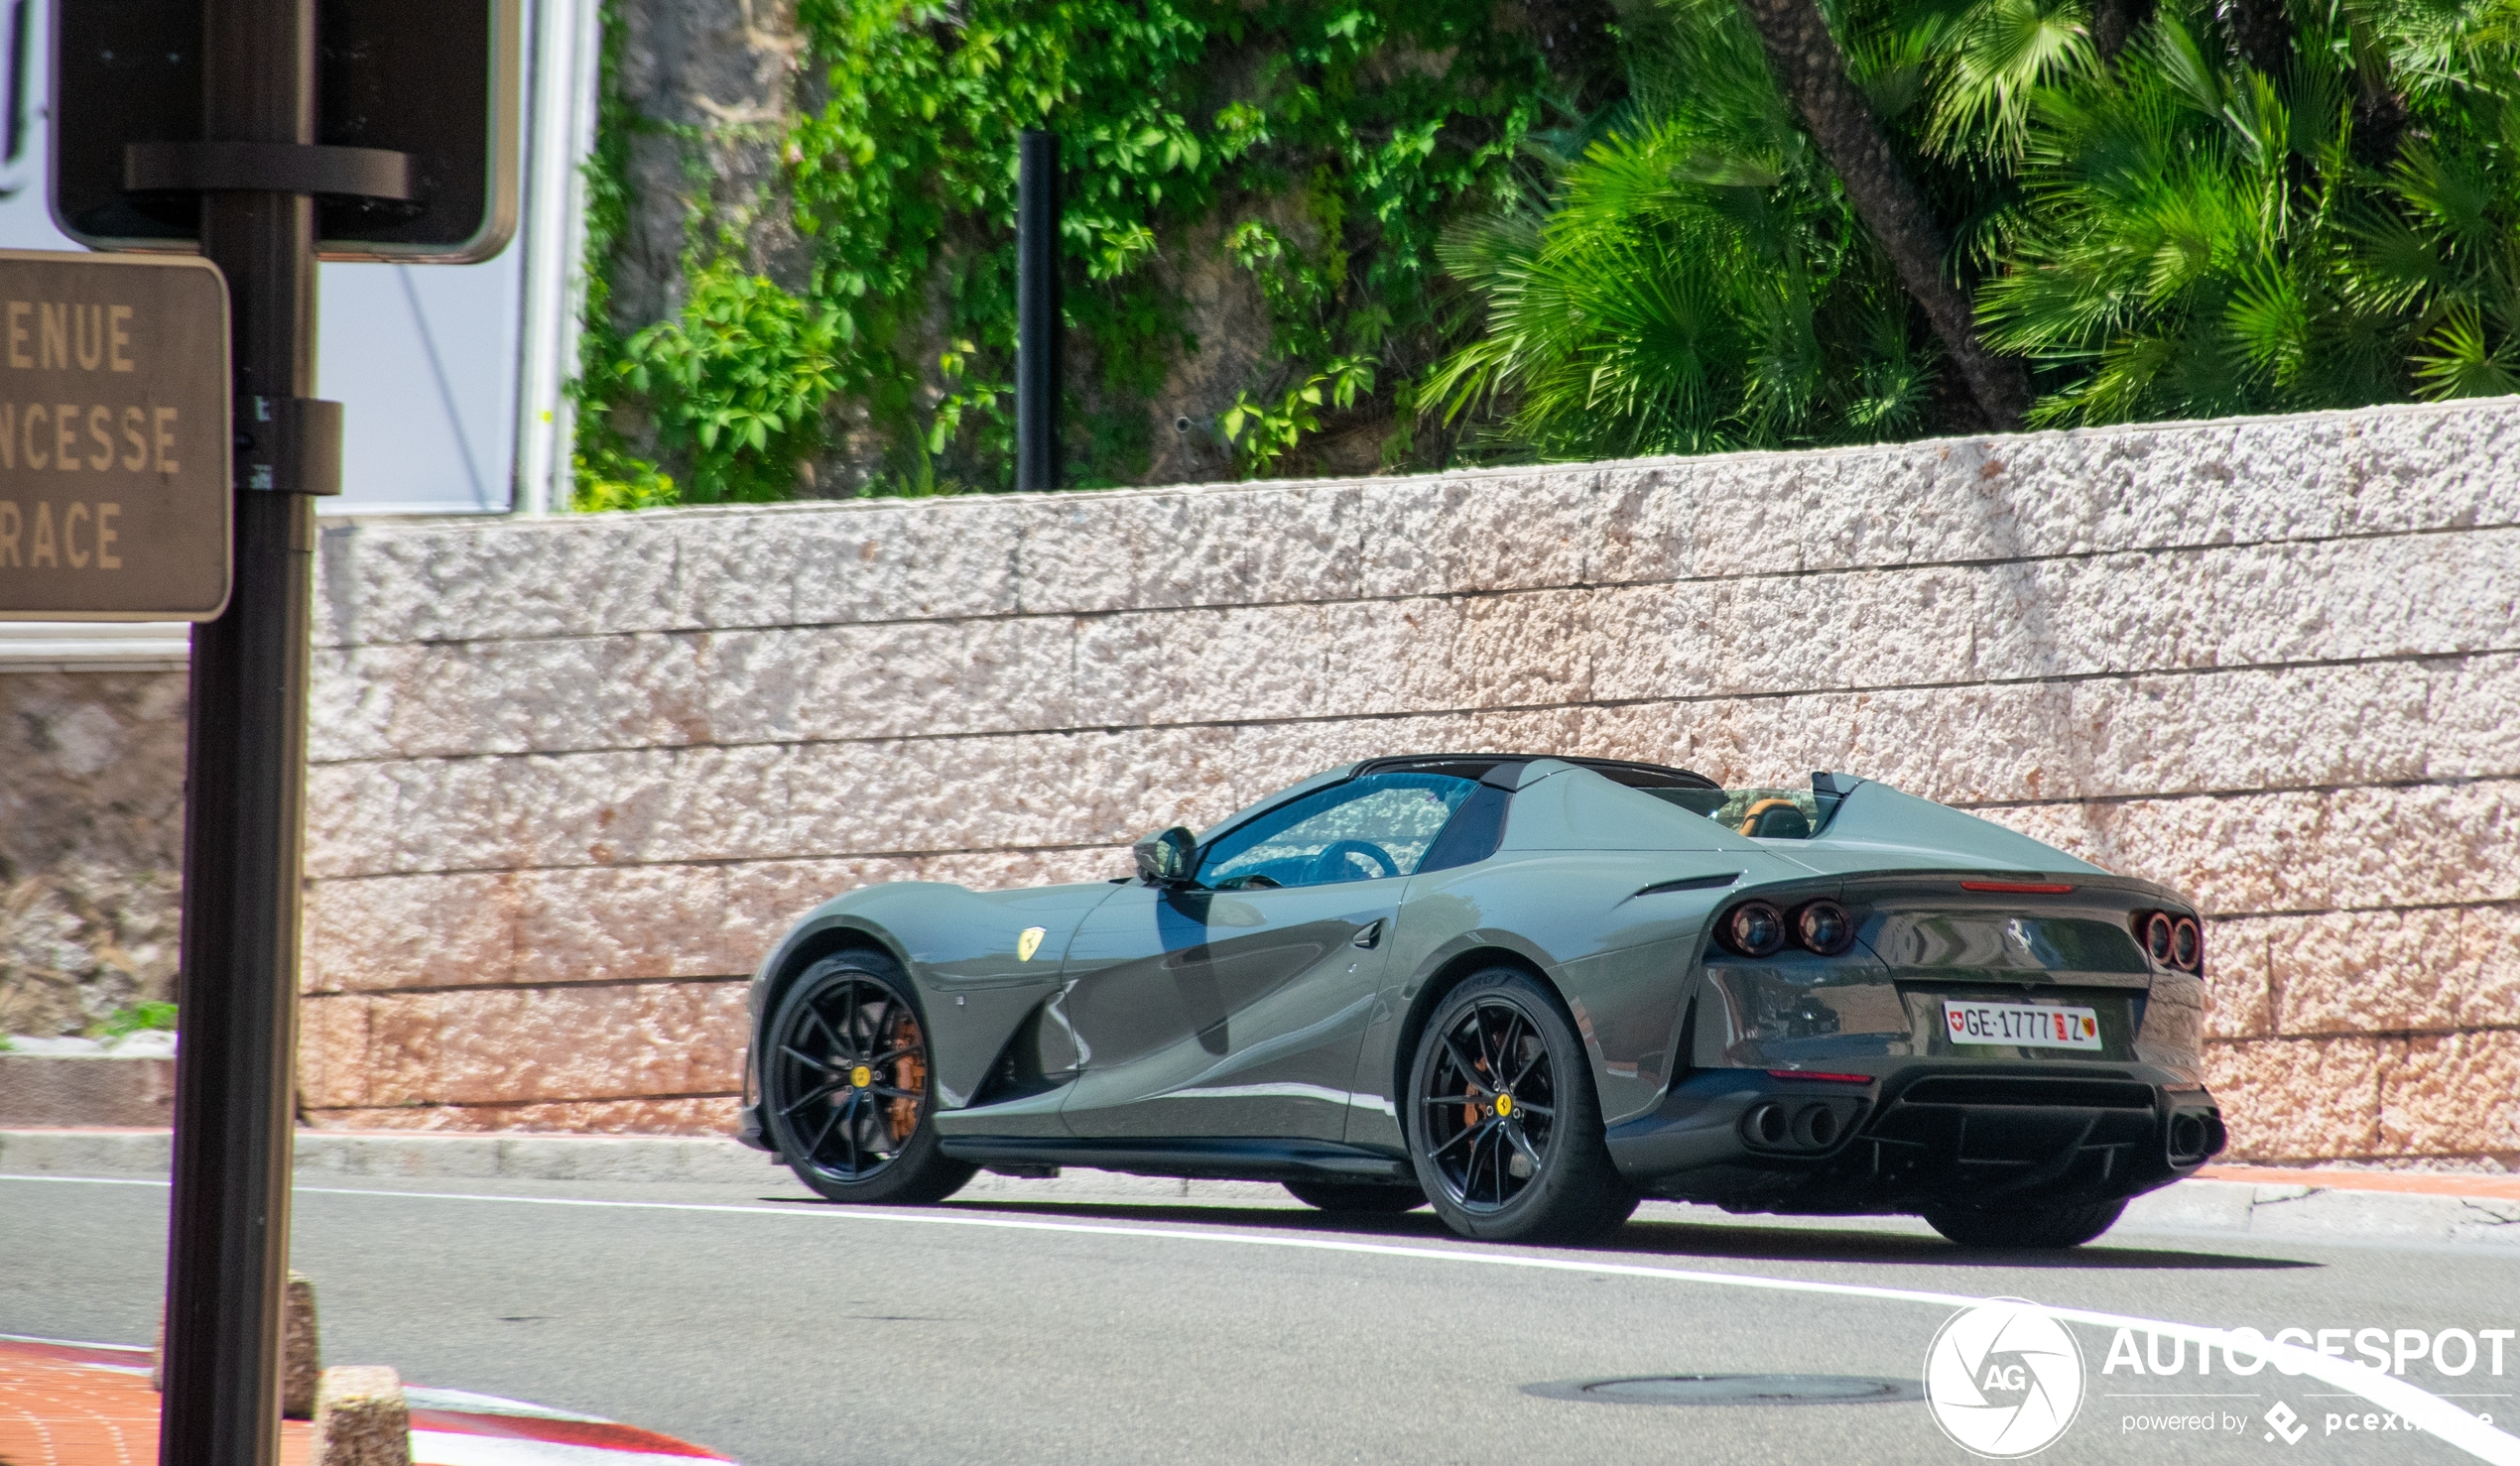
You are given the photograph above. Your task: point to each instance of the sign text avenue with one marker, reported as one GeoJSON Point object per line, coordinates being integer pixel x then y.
{"type": "Point", "coordinates": [114, 434]}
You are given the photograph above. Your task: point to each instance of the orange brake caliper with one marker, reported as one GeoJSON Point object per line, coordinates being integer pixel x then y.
{"type": "Point", "coordinates": [910, 1074]}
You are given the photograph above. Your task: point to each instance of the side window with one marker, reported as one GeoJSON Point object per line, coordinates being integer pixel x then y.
{"type": "Point", "coordinates": [1372, 828]}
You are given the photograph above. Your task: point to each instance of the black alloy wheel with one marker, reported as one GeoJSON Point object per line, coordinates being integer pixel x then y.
{"type": "Point", "coordinates": [1504, 1126]}
{"type": "Point", "coordinates": [847, 1088]}
{"type": "Point", "coordinates": [1358, 1196]}
{"type": "Point", "coordinates": [2027, 1226]}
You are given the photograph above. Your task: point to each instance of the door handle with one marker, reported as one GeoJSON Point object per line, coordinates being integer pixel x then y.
{"type": "Point", "coordinates": [1371, 936]}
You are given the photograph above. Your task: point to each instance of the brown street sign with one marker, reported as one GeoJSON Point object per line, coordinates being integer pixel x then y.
{"type": "Point", "coordinates": [114, 438]}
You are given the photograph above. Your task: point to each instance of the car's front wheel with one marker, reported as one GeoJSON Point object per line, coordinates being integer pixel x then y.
{"type": "Point", "coordinates": [1503, 1125]}
{"type": "Point", "coordinates": [2027, 1226]}
{"type": "Point", "coordinates": [847, 1088]}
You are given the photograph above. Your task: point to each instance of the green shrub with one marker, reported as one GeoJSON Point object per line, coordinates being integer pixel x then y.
{"type": "Point", "coordinates": [136, 1018]}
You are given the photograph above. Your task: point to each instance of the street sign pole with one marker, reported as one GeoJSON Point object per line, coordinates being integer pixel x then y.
{"type": "Point", "coordinates": [1039, 341]}
{"type": "Point", "coordinates": [244, 794]}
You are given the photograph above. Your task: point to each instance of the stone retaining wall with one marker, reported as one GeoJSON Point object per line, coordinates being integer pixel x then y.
{"type": "Point", "coordinates": [571, 776]}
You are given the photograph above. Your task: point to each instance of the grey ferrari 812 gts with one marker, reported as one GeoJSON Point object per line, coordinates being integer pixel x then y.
{"type": "Point", "coordinates": [1529, 991]}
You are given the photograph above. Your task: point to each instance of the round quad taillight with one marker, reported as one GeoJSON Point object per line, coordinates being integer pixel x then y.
{"type": "Point", "coordinates": [2186, 945]}
{"type": "Point", "coordinates": [1825, 927]}
{"type": "Point", "coordinates": [1753, 928]}
{"type": "Point", "coordinates": [2160, 937]}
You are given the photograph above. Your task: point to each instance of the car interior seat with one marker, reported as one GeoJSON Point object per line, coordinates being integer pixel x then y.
{"type": "Point", "coordinates": [1776, 819]}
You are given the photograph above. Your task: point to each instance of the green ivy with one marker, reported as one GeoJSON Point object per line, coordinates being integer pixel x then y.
{"type": "Point", "coordinates": [604, 473]}
{"type": "Point", "coordinates": [740, 381]}
{"type": "Point", "coordinates": [1319, 146]}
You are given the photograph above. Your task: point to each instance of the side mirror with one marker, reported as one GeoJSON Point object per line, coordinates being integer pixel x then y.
{"type": "Point", "coordinates": [1165, 857]}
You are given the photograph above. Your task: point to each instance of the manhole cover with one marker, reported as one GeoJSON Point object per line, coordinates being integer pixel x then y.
{"type": "Point", "coordinates": [1732, 1390]}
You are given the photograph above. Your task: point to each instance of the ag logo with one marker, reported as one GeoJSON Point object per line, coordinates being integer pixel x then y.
{"type": "Point", "coordinates": [2003, 1379]}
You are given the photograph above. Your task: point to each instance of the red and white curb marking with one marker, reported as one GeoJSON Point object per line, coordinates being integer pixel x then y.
{"type": "Point", "coordinates": [449, 1428]}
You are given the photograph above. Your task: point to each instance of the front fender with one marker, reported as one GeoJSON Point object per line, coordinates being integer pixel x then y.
{"type": "Point", "coordinates": [980, 964]}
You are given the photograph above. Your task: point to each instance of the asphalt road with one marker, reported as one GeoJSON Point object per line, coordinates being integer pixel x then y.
{"type": "Point", "coordinates": [792, 1333]}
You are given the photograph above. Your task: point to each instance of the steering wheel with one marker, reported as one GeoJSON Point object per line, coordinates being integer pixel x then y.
{"type": "Point", "coordinates": [1332, 863]}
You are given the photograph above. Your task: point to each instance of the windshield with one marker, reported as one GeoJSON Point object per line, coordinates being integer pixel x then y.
{"type": "Point", "coordinates": [1378, 827]}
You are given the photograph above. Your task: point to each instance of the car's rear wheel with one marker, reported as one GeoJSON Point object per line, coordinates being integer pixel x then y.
{"type": "Point", "coordinates": [2027, 1226]}
{"type": "Point", "coordinates": [849, 1089]}
{"type": "Point", "coordinates": [1503, 1125]}
{"type": "Point", "coordinates": [1360, 1197]}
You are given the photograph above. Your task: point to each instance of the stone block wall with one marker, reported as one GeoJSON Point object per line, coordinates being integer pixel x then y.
{"type": "Point", "coordinates": [571, 776]}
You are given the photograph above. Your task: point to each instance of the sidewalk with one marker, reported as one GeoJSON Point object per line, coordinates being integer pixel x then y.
{"type": "Point", "coordinates": [2309, 1205]}
{"type": "Point", "coordinates": [67, 1403]}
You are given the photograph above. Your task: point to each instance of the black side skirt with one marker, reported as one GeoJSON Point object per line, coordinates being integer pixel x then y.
{"type": "Point", "coordinates": [1211, 1159]}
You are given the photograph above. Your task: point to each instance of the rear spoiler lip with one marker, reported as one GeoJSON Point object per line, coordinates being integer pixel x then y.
{"type": "Point", "coordinates": [2078, 882]}
{"type": "Point", "coordinates": [2139, 892]}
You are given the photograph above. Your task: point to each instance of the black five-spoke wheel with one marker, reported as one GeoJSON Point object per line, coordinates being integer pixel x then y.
{"type": "Point", "coordinates": [1490, 1104]}
{"type": "Point", "coordinates": [1504, 1128]}
{"type": "Point", "coordinates": [846, 1086]}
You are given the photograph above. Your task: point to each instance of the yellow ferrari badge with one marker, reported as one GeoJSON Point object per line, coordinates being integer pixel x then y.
{"type": "Point", "coordinates": [1029, 942]}
{"type": "Point", "coordinates": [1504, 1105]}
{"type": "Point", "coordinates": [861, 1076]}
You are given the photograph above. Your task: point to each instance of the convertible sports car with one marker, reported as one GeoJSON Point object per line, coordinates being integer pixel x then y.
{"type": "Point", "coordinates": [1528, 990]}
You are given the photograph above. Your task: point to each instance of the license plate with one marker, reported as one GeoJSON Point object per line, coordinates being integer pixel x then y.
{"type": "Point", "coordinates": [2022, 1025]}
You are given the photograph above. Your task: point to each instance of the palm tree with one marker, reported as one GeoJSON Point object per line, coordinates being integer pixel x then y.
{"type": "Point", "coordinates": [2202, 239]}
{"type": "Point", "coordinates": [1813, 72]}
{"type": "Point", "coordinates": [1691, 280]}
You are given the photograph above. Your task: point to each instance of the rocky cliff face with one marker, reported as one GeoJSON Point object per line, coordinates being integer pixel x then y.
{"type": "Point", "coordinates": [713, 83]}
{"type": "Point", "coordinates": [91, 835]}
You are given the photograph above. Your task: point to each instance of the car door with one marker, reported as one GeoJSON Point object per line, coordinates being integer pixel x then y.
{"type": "Point", "coordinates": [1236, 1006]}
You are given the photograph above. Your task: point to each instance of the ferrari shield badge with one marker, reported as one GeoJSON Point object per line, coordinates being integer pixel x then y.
{"type": "Point", "coordinates": [1029, 942]}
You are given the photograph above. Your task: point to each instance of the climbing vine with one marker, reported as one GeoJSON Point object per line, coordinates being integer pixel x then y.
{"type": "Point", "coordinates": [1314, 148]}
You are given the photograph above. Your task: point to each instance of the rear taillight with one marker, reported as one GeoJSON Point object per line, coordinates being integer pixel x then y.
{"type": "Point", "coordinates": [1754, 929]}
{"type": "Point", "coordinates": [1823, 927]}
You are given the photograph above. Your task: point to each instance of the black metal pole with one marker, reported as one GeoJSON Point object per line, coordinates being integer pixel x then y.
{"type": "Point", "coordinates": [1038, 344]}
{"type": "Point", "coordinates": [244, 802]}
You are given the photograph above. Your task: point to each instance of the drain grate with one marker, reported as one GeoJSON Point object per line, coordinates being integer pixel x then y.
{"type": "Point", "coordinates": [1732, 1390]}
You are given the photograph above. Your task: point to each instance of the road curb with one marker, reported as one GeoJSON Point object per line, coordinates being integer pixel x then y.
{"type": "Point", "coordinates": [2315, 1212]}
{"type": "Point", "coordinates": [2307, 1205]}
{"type": "Point", "coordinates": [64, 1403]}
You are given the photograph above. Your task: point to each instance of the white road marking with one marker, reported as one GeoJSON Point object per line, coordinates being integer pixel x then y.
{"type": "Point", "coordinates": [444, 1448]}
{"type": "Point", "coordinates": [2418, 1408]}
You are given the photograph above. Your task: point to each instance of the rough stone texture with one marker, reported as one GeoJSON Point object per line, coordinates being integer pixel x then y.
{"type": "Point", "coordinates": [91, 834]}
{"type": "Point", "coordinates": [360, 1418]}
{"type": "Point", "coordinates": [300, 1350]}
{"type": "Point", "coordinates": [572, 777]}
{"type": "Point", "coordinates": [573, 1043]}
{"type": "Point", "coordinates": [43, 1090]}
{"type": "Point", "coordinates": [714, 80]}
